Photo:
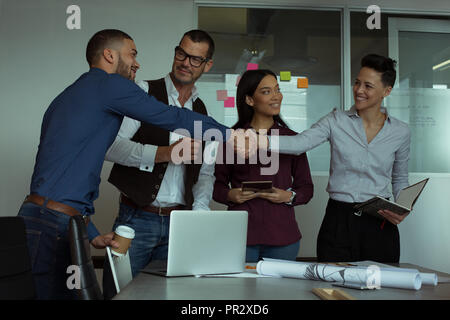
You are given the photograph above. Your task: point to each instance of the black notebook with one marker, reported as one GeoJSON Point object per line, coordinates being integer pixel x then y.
{"type": "Point", "coordinates": [405, 201]}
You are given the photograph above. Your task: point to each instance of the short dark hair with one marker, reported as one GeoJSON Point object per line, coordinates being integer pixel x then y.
{"type": "Point", "coordinates": [102, 40]}
{"type": "Point", "coordinates": [201, 36]}
{"type": "Point", "coordinates": [247, 87]}
{"type": "Point", "coordinates": [381, 64]}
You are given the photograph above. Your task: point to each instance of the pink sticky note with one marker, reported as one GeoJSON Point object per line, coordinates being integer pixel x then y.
{"type": "Point", "coordinates": [222, 95]}
{"type": "Point", "coordinates": [229, 102]}
{"type": "Point", "coordinates": [252, 66]}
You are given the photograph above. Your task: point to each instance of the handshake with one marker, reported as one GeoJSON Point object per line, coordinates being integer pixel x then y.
{"type": "Point", "coordinates": [246, 142]}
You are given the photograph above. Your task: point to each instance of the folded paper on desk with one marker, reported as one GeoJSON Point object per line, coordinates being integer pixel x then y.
{"type": "Point", "coordinates": [405, 201]}
{"type": "Point", "coordinates": [369, 276]}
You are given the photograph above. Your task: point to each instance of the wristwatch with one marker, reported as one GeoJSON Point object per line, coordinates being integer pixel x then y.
{"type": "Point", "coordinates": [291, 199]}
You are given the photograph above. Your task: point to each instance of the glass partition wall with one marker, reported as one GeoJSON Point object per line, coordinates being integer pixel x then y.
{"type": "Point", "coordinates": [316, 54]}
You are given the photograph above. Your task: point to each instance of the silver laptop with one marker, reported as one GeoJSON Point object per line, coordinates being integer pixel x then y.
{"type": "Point", "coordinates": [204, 242]}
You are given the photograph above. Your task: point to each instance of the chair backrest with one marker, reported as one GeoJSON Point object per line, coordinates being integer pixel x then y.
{"type": "Point", "coordinates": [16, 280]}
{"type": "Point", "coordinates": [81, 257]}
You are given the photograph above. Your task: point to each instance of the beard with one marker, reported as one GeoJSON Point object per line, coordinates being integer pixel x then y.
{"type": "Point", "coordinates": [185, 81]}
{"type": "Point", "coordinates": [124, 70]}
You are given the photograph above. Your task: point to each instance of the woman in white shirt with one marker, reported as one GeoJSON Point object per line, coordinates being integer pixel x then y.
{"type": "Point", "coordinates": [369, 150]}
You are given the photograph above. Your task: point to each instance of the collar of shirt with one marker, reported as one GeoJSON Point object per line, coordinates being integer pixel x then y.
{"type": "Point", "coordinates": [274, 126]}
{"type": "Point", "coordinates": [352, 112]}
{"type": "Point", "coordinates": [96, 70]}
{"type": "Point", "coordinates": [173, 94]}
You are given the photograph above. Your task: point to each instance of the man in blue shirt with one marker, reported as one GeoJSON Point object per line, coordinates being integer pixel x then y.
{"type": "Point", "coordinates": [77, 129]}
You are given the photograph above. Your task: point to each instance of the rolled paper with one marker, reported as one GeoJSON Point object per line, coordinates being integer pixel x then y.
{"type": "Point", "coordinates": [364, 276]}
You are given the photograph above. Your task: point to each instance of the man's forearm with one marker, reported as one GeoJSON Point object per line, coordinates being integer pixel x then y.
{"type": "Point", "coordinates": [162, 154]}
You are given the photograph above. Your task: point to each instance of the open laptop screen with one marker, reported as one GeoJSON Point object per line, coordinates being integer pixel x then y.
{"type": "Point", "coordinates": [206, 242]}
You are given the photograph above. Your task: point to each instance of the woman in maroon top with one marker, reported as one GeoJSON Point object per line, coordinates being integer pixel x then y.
{"type": "Point", "coordinates": [272, 229]}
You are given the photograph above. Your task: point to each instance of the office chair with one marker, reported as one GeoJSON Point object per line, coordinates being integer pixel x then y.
{"type": "Point", "coordinates": [81, 257]}
{"type": "Point", "coordinates": [16, 280]}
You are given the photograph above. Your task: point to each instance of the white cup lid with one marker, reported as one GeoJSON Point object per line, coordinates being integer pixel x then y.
{"type": "Point", "coordinates": [125, 232]}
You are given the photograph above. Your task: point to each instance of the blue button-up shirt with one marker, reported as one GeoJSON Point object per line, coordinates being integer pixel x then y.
{"type": "Point", "coordinates": [80, 125]}
{"type": "Point", "coordinates": [358, 170]}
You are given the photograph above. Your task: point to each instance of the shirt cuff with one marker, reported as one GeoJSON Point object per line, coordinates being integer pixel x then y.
{"type": "Point", "coordinates": [294, 194]}
{"type": "Point", "coordinates": [148, 157]}
{"type": "Point", "coordinates": [92, 231]}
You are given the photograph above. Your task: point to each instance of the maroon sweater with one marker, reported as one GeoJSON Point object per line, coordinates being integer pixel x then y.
{"type": "Point", "coordinates": [268, 223]}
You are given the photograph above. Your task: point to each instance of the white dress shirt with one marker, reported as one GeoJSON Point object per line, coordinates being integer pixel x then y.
{"type": "Point", "coordinates": [133, 154]}
{"type": "Point", "coordinates": [358, 170]}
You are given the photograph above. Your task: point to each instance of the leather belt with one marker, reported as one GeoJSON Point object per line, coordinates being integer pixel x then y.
{"type": "Point", "coordinates": [54, 205]}
{"type": "Point", "coordinates": [162, 211]}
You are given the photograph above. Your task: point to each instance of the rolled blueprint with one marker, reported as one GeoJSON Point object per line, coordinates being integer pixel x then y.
{"type": "Point", "coordinates": [364, 276]}
{"type": "Point", "coordinates": [430, 279]}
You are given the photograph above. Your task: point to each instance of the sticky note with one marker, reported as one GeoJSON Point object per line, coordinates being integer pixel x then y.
{"type": "Point", "coordinates": [252, 66]}
{"type": "Point", "coordinates": [222, 95]}
{"type": "Point", "coordinates": [229, 102]}
{"type": "Point", "coordinates": [285, 75]}
{"type": "Point", "coordinates": [302, 82]}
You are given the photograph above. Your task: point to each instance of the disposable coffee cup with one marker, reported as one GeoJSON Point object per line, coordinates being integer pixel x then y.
{"type": "Point", "coordinates": [123, 235]}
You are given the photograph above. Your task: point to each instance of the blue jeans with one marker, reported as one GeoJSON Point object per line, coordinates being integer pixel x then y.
{"type": "Point", "coordinates": [151, 241]}
{"type": "Point", "coordinates": [257, 252]}
{"type": "Point", "coordinates": [48, 245]}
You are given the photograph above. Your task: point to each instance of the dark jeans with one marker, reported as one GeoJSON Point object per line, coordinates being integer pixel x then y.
{"type": "Point", "coordinates": [257, 252]}
{"type": "Point", "coordinates": [343, 236]}
{"type": "Point", "coordinates": [48, 245]}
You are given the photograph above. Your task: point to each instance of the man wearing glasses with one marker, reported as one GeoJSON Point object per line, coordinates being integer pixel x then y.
{"type": "Point", "coordinates": [151, 185]}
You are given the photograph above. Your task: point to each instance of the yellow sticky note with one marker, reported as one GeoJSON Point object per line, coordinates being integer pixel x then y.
{"type": "Point", "coordinates": [302, 82]}
{"type": "Point", "coordinates": [285, 75]}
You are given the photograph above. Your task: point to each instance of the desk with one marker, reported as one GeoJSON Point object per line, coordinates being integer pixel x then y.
{"type": "Point", "coordinates": [152, 287]}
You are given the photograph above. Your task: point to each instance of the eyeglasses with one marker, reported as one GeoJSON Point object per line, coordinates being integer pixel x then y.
{"type": "Point", "coordinates": [195, 61]}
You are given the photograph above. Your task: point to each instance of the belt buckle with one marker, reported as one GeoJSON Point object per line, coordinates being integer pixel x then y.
{"type": "Point", "coordinates": [160, 213]}
{"type": "Point", "coordinates": [86, 219]}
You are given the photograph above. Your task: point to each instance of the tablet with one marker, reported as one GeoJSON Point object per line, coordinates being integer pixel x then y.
{"type": "Point", "coordinates": [257, 186]}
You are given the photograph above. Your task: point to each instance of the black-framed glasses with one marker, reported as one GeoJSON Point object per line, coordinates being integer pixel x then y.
{"type": "Point", "coordinates": [195, 61]}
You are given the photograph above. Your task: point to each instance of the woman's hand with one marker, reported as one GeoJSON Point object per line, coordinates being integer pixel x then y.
{"type": "Point", "coordinates": [392, 217]}
{"type": "Point", "coordinates": [236, 195]}
{"type": "Point", "coordinates": [277, 196]}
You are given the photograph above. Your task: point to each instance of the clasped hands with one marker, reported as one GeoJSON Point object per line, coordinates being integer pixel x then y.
{"type": "Point", "coordinates": [236, 195]}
